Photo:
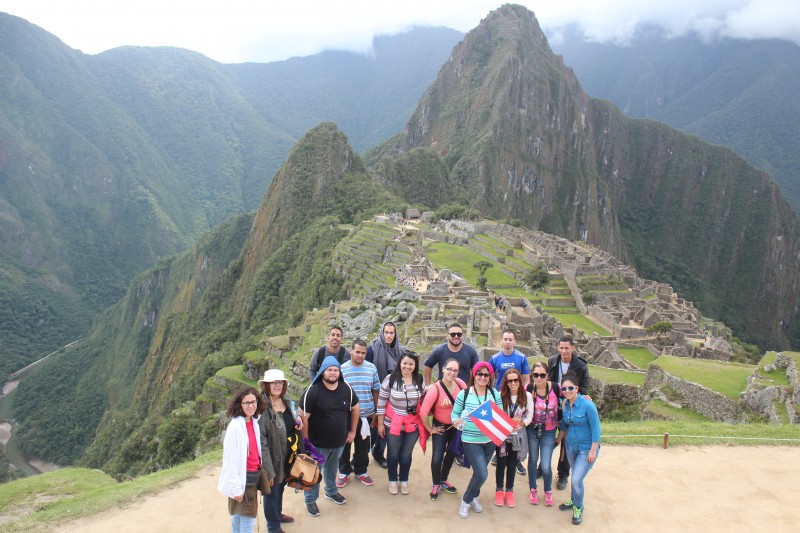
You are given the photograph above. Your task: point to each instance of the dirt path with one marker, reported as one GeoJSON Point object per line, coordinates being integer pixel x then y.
{"type": "Point", "coordinates": [631, 489]}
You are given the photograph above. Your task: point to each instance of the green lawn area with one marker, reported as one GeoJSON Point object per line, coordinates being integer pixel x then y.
{"type": "Point", "coordinates": [640, 357]}
{"type": "Point", "coordinates": [460, 260]}
{"type": "Point", "coordinates": [235, 373]}
{"type": "Point", "coordinates": [726, 378]}
{"type": "Point", "coordinates": [777, 376]}
{"type": "Point", "coordinates": [583, 322]}
{"type": "Point", "coordinates": [675, 413]}
{"type": "Point", "coordinates": [612, 375]}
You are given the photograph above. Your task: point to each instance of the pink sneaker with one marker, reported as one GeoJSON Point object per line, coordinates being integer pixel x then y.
{"type": "Point", "coordinates": [534, 498]}
{"type": "Point", "coordinates": [511, 501]}
{"type": "Point", "coordinates": [548, 498]}
{"type": "Point", "coordinates": [499, 498]}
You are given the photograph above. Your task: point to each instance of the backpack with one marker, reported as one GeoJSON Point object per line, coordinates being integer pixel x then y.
{"type": "Point", "coordinates": [319, 356]}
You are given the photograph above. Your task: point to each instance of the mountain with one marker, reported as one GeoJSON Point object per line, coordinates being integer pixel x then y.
{"type": "Point", "coordinates": [522, 140]}
{"type": "Point", "coordinates": [739, 93]}
{"type": "Point", "coordinates": [110, 162]}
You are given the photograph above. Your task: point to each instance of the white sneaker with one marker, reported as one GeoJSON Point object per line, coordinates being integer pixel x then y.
{"type": "Point", "coordinates": [393, 487]}
{"type": "Point", "coordinates": [463, 510]}
{"type": "Point", "coordinates": [404, 487]}
{"type": "Point", "coordinates": [476, 506]}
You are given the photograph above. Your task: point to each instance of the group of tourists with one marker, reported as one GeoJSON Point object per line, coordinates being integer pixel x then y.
{"type": "Point", "coordinates": [378, 401]}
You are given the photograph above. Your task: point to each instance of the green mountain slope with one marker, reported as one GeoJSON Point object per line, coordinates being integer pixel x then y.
{"type": "Point", "coordinates": [522, 140]}
{"type": "Point", "coordinates": [732, 92]}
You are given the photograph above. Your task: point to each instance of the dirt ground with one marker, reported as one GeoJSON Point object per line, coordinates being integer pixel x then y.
{"type": "Point", "coordinates": [630, 489]}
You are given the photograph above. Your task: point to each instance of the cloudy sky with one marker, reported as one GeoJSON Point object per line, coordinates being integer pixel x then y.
{"type": "Point", "coordinates": [234, 31]}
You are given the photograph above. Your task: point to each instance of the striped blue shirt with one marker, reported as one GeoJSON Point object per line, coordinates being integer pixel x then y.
{"type": "Point", "coordinates": [363, 380]}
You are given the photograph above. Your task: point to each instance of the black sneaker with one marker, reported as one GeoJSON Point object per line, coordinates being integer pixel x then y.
{"type": "Point", "coordinates": [460, 460]}
{"type": "Point", "coordinates": [562, 483]}
{"type": "Point", "coordinates": [312, 509]}
{"type": "Point", "coordinates": [337, 498]}
{"type": "Point", "coordinates": [566, 506]}
{"type": "Point", "coordinates": [381, 461]}
{"type": "Point", "coordinates": [494, 460]}
{"type": "Point", "coordinates": [521, 469]}
{"type": "Point", "coordinates": [577, 515]}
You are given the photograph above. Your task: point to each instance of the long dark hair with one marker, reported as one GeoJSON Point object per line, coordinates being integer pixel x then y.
{"type": "Point", "coordinates": [235, 405]}
{"type": "Point", "coordinates": [505, 391]}
{"type": "Point", "coordinates": [397, 374]}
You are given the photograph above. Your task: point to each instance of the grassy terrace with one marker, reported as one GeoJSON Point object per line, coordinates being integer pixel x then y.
{"type": "Point", "coordinates": [583, 322]}
{"type": "Point", "coordinates": [726, 378]}
{"type": "Point", "coordinates": [640, 357]}
{"type": "Point", "coordinates": [675, 413]}
{"type": "Point", "coordinates": [612, 375]}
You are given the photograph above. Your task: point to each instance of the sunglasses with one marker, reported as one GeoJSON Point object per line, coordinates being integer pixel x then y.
{"type": "Point", "coordinates": [456, 334]}
{"type": "Point", "coordinates": [570, 388]}
{"type": "Point", "coordinates": [481, 375]}
{"type": "Point", "coordinates": [537, 375]}
{"type": "Point", "coordinates": [512, 381]}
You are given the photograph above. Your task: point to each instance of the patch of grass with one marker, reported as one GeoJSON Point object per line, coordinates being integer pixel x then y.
{"type": "Point", "coordinates": [73, 493]}
{"type": "Point", "coordinates": [612, 375]}
{"type": "Point", "coordinates": [675, 413]}
{"type": "Point", "coordinates": [460, 259]}
{"type": "Point", "coordinates": [583, 322]}
{"type": "Point", "coordinates": [696, 433]}
{"type": "Point", "coordinates": [641, 357]}
{"type": "Point", "coordinates": [235, 373]}
{"type": "Point", "coordinates": [726, 378]}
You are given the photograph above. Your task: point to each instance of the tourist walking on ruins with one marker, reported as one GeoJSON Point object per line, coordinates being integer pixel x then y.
{"type": "Point", "coordinates": [277, 438]}
{"type": "Point", "coordinates": [362, 376]}
{"type": "Point", "coordinates": [557, 367]}
{"type": "Point", "coordinates": [385, 353]}
{"type": "Point", "coordinates": [398, 419]}
{"type": "Point", "coordinates": [518, 404]}
{"type": "Point", "coordinates": [241, 459]}
{"type": "Point", "coordinates": [333, 348]}
{"type": "Point", "coordinates": [326, 405]}
{"type": "Point", "coordinates": [580, 429]}
{"type": "Point", "coordinates": [439, 400]}
{"type": "Point", "coordinates": [477, 446]}
{"type": "Point", "coordinates": [454, 348]}
{"type": "Point", "coordinates": [542, 432]}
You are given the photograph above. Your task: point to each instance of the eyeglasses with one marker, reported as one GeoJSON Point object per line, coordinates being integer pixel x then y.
{"type": "Point", "coordinates": [455, 334]}
{"type": "Point", "coordinates": [537, 375]}
{"type": "Point", "coordinates": [570, 389]}
{"type": "Point", "coordinates": [249, 404]}
{"type": "Point", "coordinates": [481, 375]}
{"type": "Point", "coordinates": [453, 370]}
{"type": "Point", "coordinates": [512, 381]}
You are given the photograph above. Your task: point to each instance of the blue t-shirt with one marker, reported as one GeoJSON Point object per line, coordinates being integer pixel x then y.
{"type": "Point", "coordinates": [501, 362]}
{"type": "Point", "coordinates": [467, 357]}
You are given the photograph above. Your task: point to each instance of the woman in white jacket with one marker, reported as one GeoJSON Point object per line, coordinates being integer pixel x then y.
{"type": "Point", "coordinates": [241, 459]}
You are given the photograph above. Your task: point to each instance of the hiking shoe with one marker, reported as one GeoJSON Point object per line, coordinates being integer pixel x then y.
{"type": "Point", "coordinates": [562, 483]}
{"type": "Point", "coordinates": [435, 492]}
{"type": "Point", "coordinates": [337, 498]}
{"type": "Point", "coordinates": [312, 509]}
{"type": "Point", "coordinates": [460, 462]}
{"type": "Point", "coordinates": [393, 487]}
{"type": "Point", "coordinates": [566, 506]}
{"type": "Point", "coordinates": [521, 469]}
{"type": "Point", "coordinates": [404, 487]}
{"type": "Point", "coordinates": [366, 480]}
{"type": "Point", "coordinates": [533, 497]}
{"type": "Point", "coordinates": [577, 515]}
{"type": "Point", "coordinates": [548, 498]}
{"type": "Point", "coordinates": [341, 480]}
{"type": "Point", "coordinates": [286, 519]}
{"type": "Point", "coordinates": [494, 460]}
{"type": "Point", "coordinates": [476, 506]}
{"type": "Point", "coordinates": [449, 487]}
{"type": "Point", "coordinates": [511, 501]}
{"type": "Point", "coordinates": [463, 509]}
{"type": "Point", "coordinates": [381, 461]}
{"type": "Point", "coordinates": [499, 498]}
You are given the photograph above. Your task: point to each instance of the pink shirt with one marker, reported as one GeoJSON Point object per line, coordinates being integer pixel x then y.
{"type": "Point", "coordinates": [437, 402]}
{"type": "Point", "coordinates": [550, 405]}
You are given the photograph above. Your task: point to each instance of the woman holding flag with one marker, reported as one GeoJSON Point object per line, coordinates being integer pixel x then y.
{"type": "Point", "coordinates": [479, 413]}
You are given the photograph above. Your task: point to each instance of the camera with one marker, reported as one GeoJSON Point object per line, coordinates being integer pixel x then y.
{"type": "Point", "coordinates": [539, 430]}
{"type": "Point", "coordinates": [412, 410]}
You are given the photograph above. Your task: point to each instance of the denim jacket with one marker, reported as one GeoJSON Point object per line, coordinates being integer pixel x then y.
{"type": "Point", "coordinates": [583, 423]}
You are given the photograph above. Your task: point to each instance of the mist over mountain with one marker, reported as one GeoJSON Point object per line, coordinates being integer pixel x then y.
{"type": "Point", "coordinates": [739, 93]}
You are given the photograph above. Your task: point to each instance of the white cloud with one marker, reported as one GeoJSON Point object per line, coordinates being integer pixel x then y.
{"type": "Point", "coordinates": [267, 30]}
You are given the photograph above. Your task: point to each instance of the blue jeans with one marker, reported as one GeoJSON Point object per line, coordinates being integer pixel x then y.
{"type": "Point", "coordinates": [329, 469]}
{"type": "Point", "coordinates": [545, 447]}
{"type": "Point", "coordinates": [580, 467]}
{"type": "Point", "coordinates": [399, 449]}
{"type": "Point", "coordinates": [441, 458]}
{"type": "Point", "coordinates": [242, 524]}
{"type": "Point", "coordinates": [273, 507]}
{"type": "Point", "coordinates": [479, 456]}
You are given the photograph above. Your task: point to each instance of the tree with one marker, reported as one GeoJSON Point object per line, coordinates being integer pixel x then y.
{"type": "Point", "coordinates": [660, 329]}
{"type": "Point", "coordinates": [482, 267]}
{"type": "Point", "coordinates": [537, 277]}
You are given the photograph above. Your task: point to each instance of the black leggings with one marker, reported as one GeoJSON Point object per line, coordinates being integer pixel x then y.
{"type": "Point", "coordinates": [506, 465]}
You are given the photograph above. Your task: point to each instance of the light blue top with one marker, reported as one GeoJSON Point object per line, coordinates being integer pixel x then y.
{"type": "Point", "coordinates": [582, 422]}
{"type": "Point", "coordinates": [466, 405]}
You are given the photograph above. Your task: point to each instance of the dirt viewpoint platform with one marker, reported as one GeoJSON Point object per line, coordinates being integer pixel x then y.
{"type": "Point", "coordinates": [630, 489]}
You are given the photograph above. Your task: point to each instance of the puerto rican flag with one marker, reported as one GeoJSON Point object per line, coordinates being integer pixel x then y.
{"type": "Point", "coordinates": [492, 422]}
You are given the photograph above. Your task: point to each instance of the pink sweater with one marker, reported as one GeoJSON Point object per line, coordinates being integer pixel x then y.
{"type": "Point", "coordinates": [437, 402]}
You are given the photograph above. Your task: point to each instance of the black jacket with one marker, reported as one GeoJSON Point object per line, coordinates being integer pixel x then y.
{"type": "Point", "coordinates": [578, 366]}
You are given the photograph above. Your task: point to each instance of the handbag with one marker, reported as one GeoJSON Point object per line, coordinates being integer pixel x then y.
{"type": "Point", "coordinates": [263, 482]}
{"type": "Point", "coordinates": [304, 473]}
